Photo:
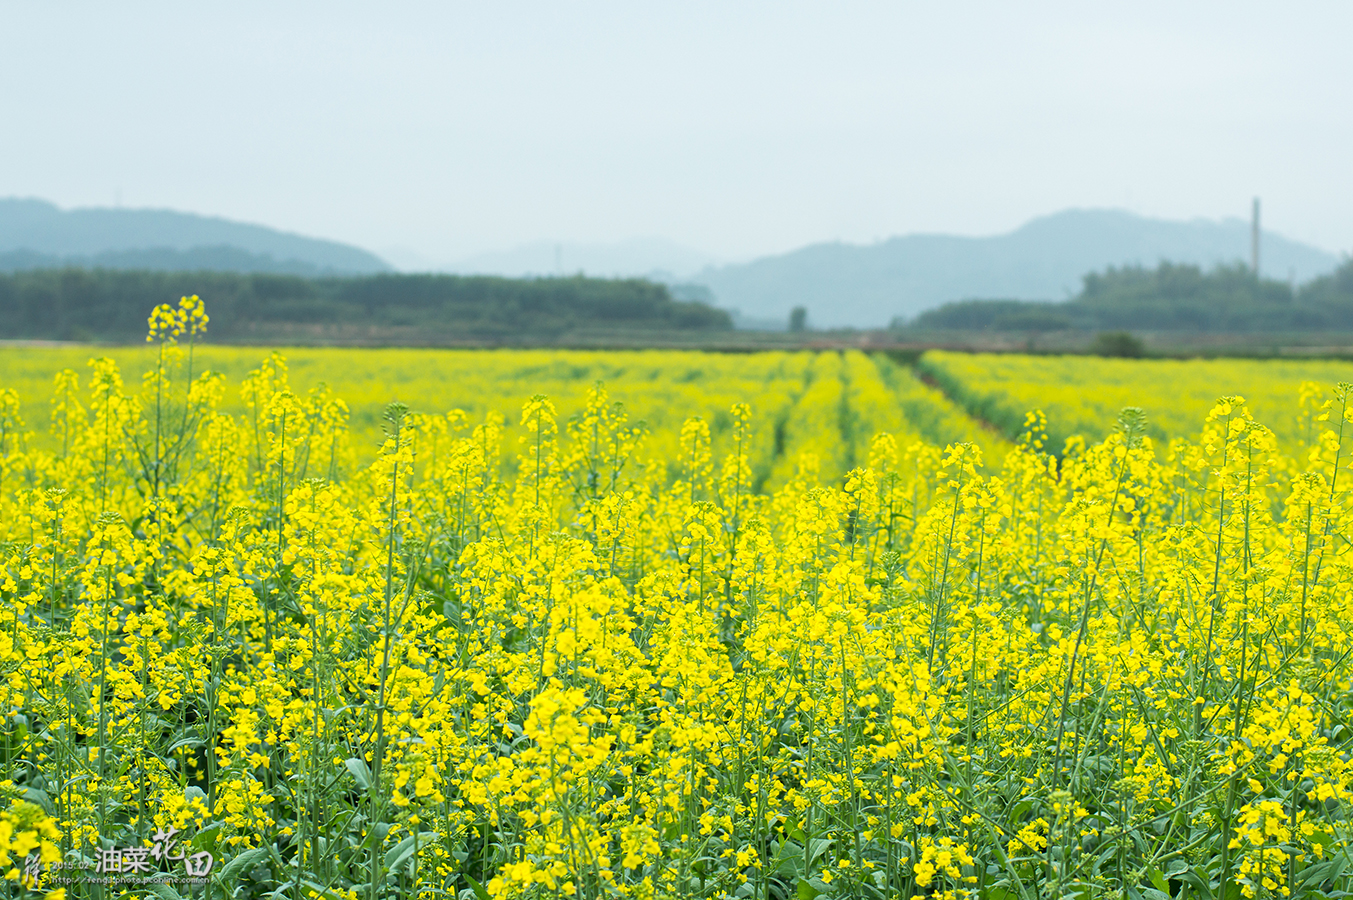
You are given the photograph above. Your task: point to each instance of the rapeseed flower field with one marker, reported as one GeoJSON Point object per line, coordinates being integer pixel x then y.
{"type": "Point", "coordinates": [840, 643]}
{"type": "Point", "coordinates": [1082, 395]}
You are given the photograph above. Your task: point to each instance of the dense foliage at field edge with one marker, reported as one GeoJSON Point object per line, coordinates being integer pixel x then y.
{"type": "Point", "coordinates": [109, 305]}
{"type": "Point", "coordinates": [1170, 297]}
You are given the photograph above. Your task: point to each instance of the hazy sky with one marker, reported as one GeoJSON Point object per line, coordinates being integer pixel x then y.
{"type": "Point", "coordinates": [737, 128]}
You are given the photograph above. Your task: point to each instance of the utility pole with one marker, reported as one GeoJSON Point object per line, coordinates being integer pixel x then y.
{"type": "Point", "coordinates": [1254, 239]}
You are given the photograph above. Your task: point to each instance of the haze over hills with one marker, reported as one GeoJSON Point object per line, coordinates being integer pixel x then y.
{"type": "Point", "coordinates": [219, 258]}
{"type": "Point", "coordinates": [1045, 259]}
{"type": "Point", "coordinates": [839, 284]}
{"type": "Point", "coordinates": [638, 257]}
{"type": "Point", "coordinates": [38, 234]}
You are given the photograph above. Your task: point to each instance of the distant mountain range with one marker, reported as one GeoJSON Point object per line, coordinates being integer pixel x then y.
{"type": "Point", "coordinates": [657, 258]}
{"type": "Point", "coordinates": [38, 234]}
{"type": "Point", "coordinates": [839, 284]}
{"type": "Point", "coordinates": [868, 286]}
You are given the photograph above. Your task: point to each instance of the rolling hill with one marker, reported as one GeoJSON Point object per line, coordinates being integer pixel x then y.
{"type": "Point", "coordinates": [869, 286]}
{"type": "Point", "coordinates": [38, 234]}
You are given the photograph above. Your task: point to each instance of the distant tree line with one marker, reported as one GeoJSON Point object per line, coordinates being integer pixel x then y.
{"type": "Point", "coordinates": [112, 305]}
{"type": "Point", "coordinates": [220, 258]}
{"type": "Point", "coordinates": [1170, 297]}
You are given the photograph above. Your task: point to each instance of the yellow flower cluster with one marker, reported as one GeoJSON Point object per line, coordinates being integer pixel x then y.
{"type": "Point", "coordinates": [169, 324]}
{"type": "Point", "coordinates": [28, 843]}
{"type": "Point", "coordinates": [715, 657]}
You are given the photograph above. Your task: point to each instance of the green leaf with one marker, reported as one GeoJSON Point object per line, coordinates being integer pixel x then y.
{"type": "Point", "coordinates": [1158, 880]}
{"type": "Point", "coordinates": [789, 859]}
{"type": "Point", "coordinates": [205, 838]}
{"type": "Point", "coordinates": [1323, 838]}
{"type": "Point", "coordinates": [241, 864]}
{"type": "Point", "coordinates": [359, 771]}
{"type": "Point", "coordinates": [400, 853]}
{"type": "Point", "coordinates": [1197, 882]}
{"type": "Point", "coordinates": [478, 889]}
{"type": "Point", "coordinates": [160, 889]}
{"type": "Point", "coordinates": [1321, 872]}
{"type": "Point", "coordinates": [806, 891]}
{"type": "Point", "coordinates": [40, 798]}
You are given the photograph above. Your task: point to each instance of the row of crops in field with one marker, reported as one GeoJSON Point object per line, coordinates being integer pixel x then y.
{"type": "Point", "coordinates": [1082, 396]}
{"type": "Point", "coordinates": [829, 404]}
{"type": "Point", "coordinates": [656, 625]}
